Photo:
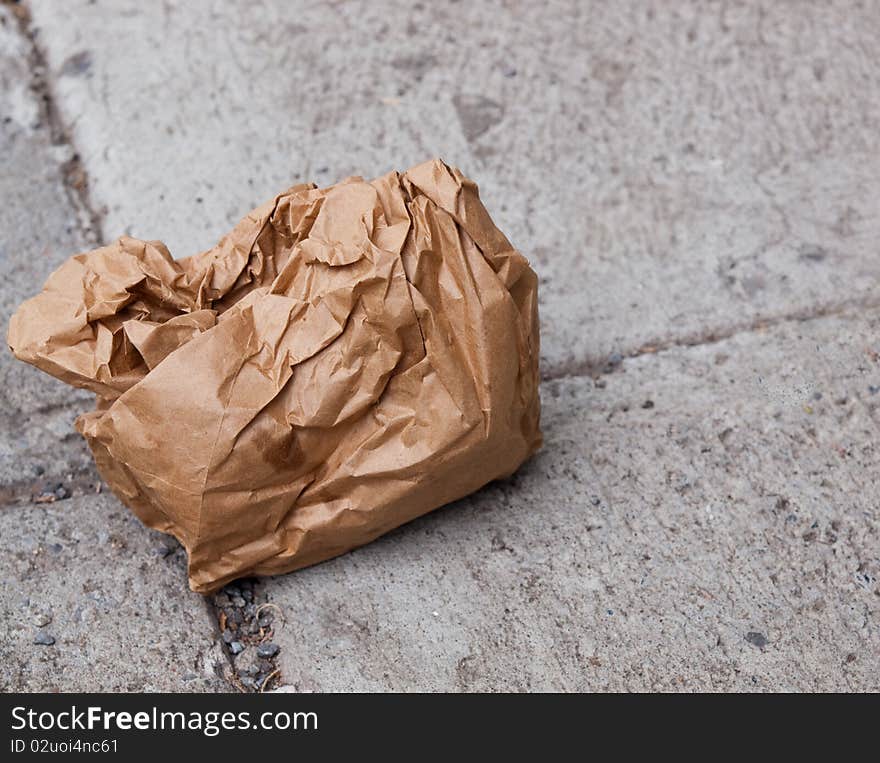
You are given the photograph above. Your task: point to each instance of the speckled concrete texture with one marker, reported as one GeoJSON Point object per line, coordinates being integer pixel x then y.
{"type": "Point", "coordinates": [39, 228]}
{"type": "Point", "coordinates": [80, 572]}
{"type": "Point", "coordinates": [695, 184]}
{"type": "Point", "coordinates": [701, 519]}
{"type": "Point", "coordinates": [673, 169]}
{"type": "Point", "coordinates": [84, 575]}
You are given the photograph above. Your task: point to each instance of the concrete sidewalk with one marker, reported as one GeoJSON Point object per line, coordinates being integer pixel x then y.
{"type": "Point", "coordinates": [695, 184]}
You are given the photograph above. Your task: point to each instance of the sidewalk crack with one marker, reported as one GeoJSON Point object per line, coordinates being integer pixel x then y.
{"type": "Point", "coordinates": [600, 366]}
{"type": "Point", "coordinates": [73, 171]}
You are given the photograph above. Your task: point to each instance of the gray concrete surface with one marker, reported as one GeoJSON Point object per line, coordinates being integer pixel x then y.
{"type": "Point", "coordinates": [703, 520]}
{"type": "Point", "coordinates": [81, 570]}
{"type": "Point", "coordinates": [87, 574]}
{"type": "Point", "coordinates": [673, 169]}
{"type": "Point", "coordinates": [39, 228]}
{"type": "Point", "coordinates": [695, 183]}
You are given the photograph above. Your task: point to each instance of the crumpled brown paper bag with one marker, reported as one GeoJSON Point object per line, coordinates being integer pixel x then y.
{"type": "Point", "coordinates": [345, 360]}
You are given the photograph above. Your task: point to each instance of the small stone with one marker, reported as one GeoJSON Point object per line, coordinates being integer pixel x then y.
{"type": "Point", "coordinates": [267, 650]}
{"type": "Point", "coordinates": [250, 611]}
{"type": "Point", "coordinates": [232, 591]}
{"type": "Point", "coordinates": [43, 639]}
{"type": "Point", "coordinates": [756, 639]}
{"type": "Point", "coordinates": [56, 548]}
{"type": "Point", "coordinates": [228, 636]}
{"type": "Point", "coordinates": [163, 550]}
{"type": "Point", "coordinates": [247, 594]}
{"type": "Point", "coordinates": [247, 682]}
{"type": "Point", "coordinates": [42, 619]}
{"type": "Point", "coordinates": [236, 647]}
{"type": "Point", "coordinates": [238, 601]}
{"type": "Point", "coordinates": [51, 492]}
{"type": "Point", "coordinates": [264, 620]}
{"type": "Point", "coordinates": [234, 616]}
{"type": "Point", "coordinates": [248, 663]}
{"type": "Point", "coordinates": [222, 601]}
{"type": "Point", "coordinates": [648, 404]}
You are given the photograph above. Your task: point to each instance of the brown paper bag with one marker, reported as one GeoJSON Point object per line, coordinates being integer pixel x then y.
{"type": "Point", "coordinates": [346, 359]}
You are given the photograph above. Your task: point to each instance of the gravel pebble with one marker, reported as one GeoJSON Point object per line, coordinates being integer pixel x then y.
{"type": "Point", "coordinates": [234, 616]}
{"type": "Point", "coordinates": [43, 639]}
{"type": "Point", "coordinates": [42, 619]}
{"type": "Point", "coordinates": [53, 491]}
{"type": "Point", "coordinates": [267, 650]}
{"type": "Point", "coordinates": [236, 647]}
{"type": "Point", "coordinates": [756, 639]}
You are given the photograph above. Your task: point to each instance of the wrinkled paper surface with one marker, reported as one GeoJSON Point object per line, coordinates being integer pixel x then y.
{"type": "Point", "coordinates": [345, 360]}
